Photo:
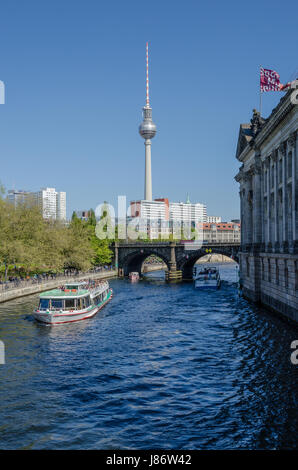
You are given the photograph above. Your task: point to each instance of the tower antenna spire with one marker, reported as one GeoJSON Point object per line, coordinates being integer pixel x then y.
{"type": "Point", "coordinates": [147, 77]}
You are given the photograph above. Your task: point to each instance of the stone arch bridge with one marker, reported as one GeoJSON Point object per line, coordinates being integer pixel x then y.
{"type": "Point", "coordinates": [179, 257]}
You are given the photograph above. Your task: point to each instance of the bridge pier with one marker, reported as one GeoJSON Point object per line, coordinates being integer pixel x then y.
{"type": "Point", "coordinates": [173, 275]}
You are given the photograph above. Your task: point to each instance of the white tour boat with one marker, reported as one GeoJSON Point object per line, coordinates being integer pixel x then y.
{"type": "Point", "coordinates": [134, 276]}
{"type": "Point", "coordinates": [73, 302]}
{"type": "Point", "coordinates": [206, 277]}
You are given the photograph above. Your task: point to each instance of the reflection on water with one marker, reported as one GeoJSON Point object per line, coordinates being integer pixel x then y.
{"type": "Point", "coordinates": [161, 366]}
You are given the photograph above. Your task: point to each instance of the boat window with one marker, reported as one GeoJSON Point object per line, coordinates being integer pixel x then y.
{"type": "Point", "coordinates": [86, 301]}
{"type": "Point", "coordinates": [44, 304]}
{"type": "Point", "coordinates": [79, 304]}
{"type": "Point", "coordinates": [69, 304]}
{"type": "Point", "coordinates": [55, 303]}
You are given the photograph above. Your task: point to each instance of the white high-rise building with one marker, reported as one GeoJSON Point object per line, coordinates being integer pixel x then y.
{"type": "Point", "coordinates": [187, 212]}
{"type": "Point", "coordinates": [61, 205]}
{"type": "Point", "coordinates": [47, 201]}
{"type": "Point", "coordinates": [161, 217]}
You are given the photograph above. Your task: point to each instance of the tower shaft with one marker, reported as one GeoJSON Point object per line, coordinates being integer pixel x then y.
{"type": "Point", "coordinates": [148, 175]}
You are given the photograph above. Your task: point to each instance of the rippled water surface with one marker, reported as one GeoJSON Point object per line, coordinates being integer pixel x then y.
{"type": "Point", "coordinates": [161, 366]}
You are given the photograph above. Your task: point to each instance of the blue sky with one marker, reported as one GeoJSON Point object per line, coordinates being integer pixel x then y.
{"type": "Point", "coordinates": [75, 86]}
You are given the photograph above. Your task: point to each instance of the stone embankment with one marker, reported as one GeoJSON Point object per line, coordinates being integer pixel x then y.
{"type": "Point", "coordinates": [147, 268]}
{"type": "Point", "coordinates": [42, 286]}
{"type": "Point", "coordinates": [215, 258]}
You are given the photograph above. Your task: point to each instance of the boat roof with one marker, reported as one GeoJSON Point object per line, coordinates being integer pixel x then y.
{"type": "Point", "coordinates": [79, 283]}
{"type": "Point", "coordinates": [58, 293]}
{"type": "Point", "coordinates": [206, 266]}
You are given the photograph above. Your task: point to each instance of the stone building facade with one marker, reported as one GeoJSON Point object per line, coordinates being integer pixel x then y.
{"type": "Point", "coordinates": [268, 180]}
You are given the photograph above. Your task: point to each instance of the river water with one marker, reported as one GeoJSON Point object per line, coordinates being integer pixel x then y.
{"type": "Point", "coordinates": [161, 366]}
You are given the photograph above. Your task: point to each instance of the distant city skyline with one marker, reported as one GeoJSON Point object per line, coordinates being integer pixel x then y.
{"type": "Point", "coordinates": [74, 84]}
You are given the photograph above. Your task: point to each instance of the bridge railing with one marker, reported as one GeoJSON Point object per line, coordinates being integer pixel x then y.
{"type": "Point", "coordinates": [177, 243]}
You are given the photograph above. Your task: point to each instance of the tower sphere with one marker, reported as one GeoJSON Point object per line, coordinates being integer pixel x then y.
{"type": "Point", "coordinates": [147, 129]}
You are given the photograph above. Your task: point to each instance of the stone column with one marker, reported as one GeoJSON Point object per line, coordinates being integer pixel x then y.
{"type": "Point", "coordinates": [282, 150]}
{"type": "Point", "coordinates": [293, 148]}
{"type": "Point", "coordinates": [268, 203]}
{"type": "Point", "coordinates": [256, 206]}
{"type": "Point", "coordinates": [249, 209]}
{"type": "Point", "coordinates": [263, 168]}
{"type": "Point", "coordinates": [241, 193]}
{"type": "Point", "coordinates": [275, 182]}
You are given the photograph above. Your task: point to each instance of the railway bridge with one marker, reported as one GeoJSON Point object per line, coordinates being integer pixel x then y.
{"type": "Point", "coordinates": [179, 257]}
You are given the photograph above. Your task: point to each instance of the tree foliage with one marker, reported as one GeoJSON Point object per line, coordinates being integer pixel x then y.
{"type": "Point", "coordinates": [30, 243]}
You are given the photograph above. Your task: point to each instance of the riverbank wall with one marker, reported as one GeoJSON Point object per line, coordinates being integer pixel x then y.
{"type": "Point", "coordinates": [11, 294]}
{"type": "Point", "coordinates": [155, 267]}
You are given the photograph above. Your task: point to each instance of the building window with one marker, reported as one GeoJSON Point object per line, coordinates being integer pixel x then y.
{"type": "Point", "coordinates": [276, 272]}
{"type": "Point", "coordinates": [269, 270]}
{"type": "Point", "coordinates": [296, 275]}
{"type": "Point", "coordinates": [247, 267]}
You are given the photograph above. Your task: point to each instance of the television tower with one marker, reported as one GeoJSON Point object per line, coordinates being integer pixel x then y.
{"type": "Point", "coordinates": [147, 130]}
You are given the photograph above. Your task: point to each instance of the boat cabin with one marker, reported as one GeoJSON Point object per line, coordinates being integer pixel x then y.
{"type": "Point", "coordinates": [58, 302]}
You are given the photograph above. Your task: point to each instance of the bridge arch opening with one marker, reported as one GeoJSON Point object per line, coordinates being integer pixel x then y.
{"type": "Point", "coordinates": [187, 265]}
{"type": "Point", "coordinates": [134, 262]}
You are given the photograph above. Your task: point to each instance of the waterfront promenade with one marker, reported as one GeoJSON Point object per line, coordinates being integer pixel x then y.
{"type": "Point", "coordinates": [16, 289]}
{"type": "Point", "coordinates": [35, 286]}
